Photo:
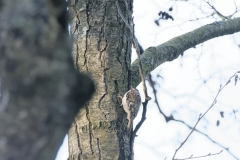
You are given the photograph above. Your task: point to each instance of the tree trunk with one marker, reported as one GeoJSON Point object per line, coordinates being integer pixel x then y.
{"type": "Point", "coordinates": [102, 48]}
{"type": "Point", "coordinates": [39, 88]}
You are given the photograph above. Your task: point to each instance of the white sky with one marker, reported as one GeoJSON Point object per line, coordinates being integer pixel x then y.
{"type": "Point", "coordinates": [182, 92]}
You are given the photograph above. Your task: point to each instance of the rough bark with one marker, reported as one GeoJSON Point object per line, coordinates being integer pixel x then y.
{"type": "Point", "coordinates": [102, 48]}
{"type": "Point", "coordinates": [39, 88]}
{"type": "Point", "coordinates": [170, 50]}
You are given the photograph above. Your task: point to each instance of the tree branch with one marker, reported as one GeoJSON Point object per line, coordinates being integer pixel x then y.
{"type": "Point", "coordinates": [201, 116]}
{"type": "Point", "coordinates": [171, 118]}
{"type": "Point", "coordinates": [155, 56]}
{"type": "Point", "coordinates": [208, 155]}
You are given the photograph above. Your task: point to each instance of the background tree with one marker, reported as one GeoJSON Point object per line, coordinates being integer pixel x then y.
{"type": "Point", "coordinates": [40, 90]}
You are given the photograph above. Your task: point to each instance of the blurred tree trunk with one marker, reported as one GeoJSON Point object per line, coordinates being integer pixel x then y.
{"type": "Point", "coordinates": [40, 91]}
{"type": "Point", "coordinates": [102, 48]}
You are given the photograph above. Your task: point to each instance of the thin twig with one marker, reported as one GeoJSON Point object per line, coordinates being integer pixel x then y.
{"type": "Point", "coordinates": [147, 98]}
{"type": "Point", "coordinates": [152, 83]}
{"type": "Point", "coordinates": [201, 116]}
{"type": "Point", "coordinates": [218, 13]}
{"type": "Point", "coordinates": [142, 119]}
{"type": "Point", "coordinates": [120, 13]}
{"type": "Point", "coordinates": [208, 155]}
{"type": "Point", "coordinates": [137, 50]}
{"type": "Point", "coordinates": [171, 118]}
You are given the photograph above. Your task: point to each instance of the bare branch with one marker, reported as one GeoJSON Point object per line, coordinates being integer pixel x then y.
{"type": "Point", "coordinates": [142, 119]}
{"type": "Point", "coordinates": [221, 15]}
{"type": "Point", "coordinates": [137, 50]}
{"type": "Point", "coordinates": [155, 56]}
{"type": "Point", "coordinates": [171, 118]}
{"type": "Point", "coordinates": [218, 13]}
{"type": "Point", "coordinates": [208, 155]}
{"type": "Point", "coordinates": [201, 116]}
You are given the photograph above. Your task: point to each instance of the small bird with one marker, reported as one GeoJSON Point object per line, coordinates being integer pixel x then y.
{"type": "Point", "coordinates": [131, 102]}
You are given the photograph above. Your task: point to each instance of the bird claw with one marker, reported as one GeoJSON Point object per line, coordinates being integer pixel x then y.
{"type": "Point", "coordinates": [119, 97]}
